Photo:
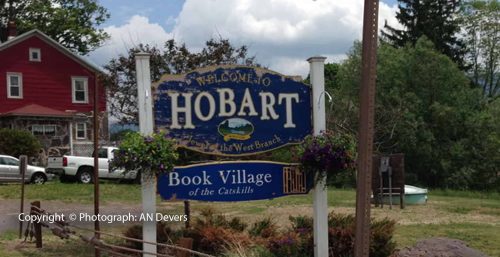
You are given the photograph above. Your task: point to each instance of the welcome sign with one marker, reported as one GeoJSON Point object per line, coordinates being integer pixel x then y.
{"type": "Point", "coordinates": [233, 181]}
{"type": "Point", "coordinates": [233, 110]}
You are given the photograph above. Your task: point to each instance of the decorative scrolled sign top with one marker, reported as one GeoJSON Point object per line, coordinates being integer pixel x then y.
{"type": "Point", "coordinates": [233, 110]}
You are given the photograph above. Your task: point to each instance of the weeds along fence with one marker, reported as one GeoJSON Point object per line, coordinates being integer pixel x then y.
{"type": "Point", "coordinates": [65, 230]}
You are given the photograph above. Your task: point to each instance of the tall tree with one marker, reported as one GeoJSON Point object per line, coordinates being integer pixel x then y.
{"type": "Point", "coordinates": [174, 58]}
{"type": "Point", "coordinates": [426, 109]}
{"type": "Point", "coordinates": [481, 21]}
{"type": "Point", "coordinates": [436, 19]}
{"type": "Point", "coordinates": [73, 23]}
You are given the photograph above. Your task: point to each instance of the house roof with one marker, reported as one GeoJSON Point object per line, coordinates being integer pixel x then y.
{"type": "Point", "coordinates": [35, 32]}
{"type": "Point", "coordinates": [37, 111]}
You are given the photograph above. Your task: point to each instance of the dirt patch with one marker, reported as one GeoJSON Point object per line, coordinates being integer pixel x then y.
{"type": "Point", "coordinates": [439, 247]}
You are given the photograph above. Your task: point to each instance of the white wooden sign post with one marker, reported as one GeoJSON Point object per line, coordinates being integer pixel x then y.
{"type": "Point", "coordinates": [320, 204]}
{"type": "Point", "coordinates": [143, 76]}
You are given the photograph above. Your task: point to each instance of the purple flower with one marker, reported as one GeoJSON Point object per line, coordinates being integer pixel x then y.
{"type": "Point", "coordinates": [148, 140]}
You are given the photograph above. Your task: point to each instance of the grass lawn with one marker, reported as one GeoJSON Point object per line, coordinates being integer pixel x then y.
{"type": "Point", "coordinates": [469, 216]}
{"type": "Point", "coordinates": [73, 192]}
{"type": "Point", "coordinates": [483, 237]}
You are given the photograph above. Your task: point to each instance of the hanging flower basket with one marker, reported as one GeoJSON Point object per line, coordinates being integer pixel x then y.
{"type": "Point", "coordinates": [326, 155]}
{"type": "Point", "coordinates": [151, 155]}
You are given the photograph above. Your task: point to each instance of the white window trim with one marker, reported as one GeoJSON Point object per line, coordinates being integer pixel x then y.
{"type": "Point", "coordinates": [84, 130]}
{"type": "Point", "coordinates": [39, 128]}
{"type": "Point", "coordinates": [20, 76]}
{"type": "Point", "coordinates": [43, 128]}
{"type": "Point", "coordinates": [85, 87]}
{"type": "Point", "coordinates": [49, 125]}
{"type": "Point", "coordinates": [37, 50]}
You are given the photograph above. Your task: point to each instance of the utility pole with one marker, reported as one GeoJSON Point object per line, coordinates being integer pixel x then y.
{"type": "Point", "coordinates": [366, 128]}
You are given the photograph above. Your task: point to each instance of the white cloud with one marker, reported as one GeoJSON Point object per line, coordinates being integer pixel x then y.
{"type": "Point", "coordinates": [138, 30]}
{"type": "Point", "coordinates": [282, 33]}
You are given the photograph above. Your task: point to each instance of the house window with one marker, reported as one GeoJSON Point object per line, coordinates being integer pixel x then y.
{"type": "Point", "coordinates": [81, 131]}
{"type": "Point", "coordinates": [80, 89]}
{"type": "Point", "coordinates": [39, 130]}
{"type": "Point", "coordinates": [49, 130]}
{"type": "Point", "coordinates": [35, 55]}
{"type": "Point", "coordinates": [14, 85]}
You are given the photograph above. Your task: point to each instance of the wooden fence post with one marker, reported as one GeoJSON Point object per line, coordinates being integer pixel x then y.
{"type": "Point", "coordinates": [37, 225]}
{"type": "Point", "coordinates": [23, 164]}
{"type": "Point", "coordinates": [187, 212]}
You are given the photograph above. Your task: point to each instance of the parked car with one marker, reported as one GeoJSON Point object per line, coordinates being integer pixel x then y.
{"type": "Point", "coordinates": [82, 168]}
{"type": "Point", "coordinates": [9, 171]}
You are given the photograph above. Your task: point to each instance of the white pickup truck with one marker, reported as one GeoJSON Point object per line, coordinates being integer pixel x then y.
{"type": "Point", "coordinates": [82, 168]}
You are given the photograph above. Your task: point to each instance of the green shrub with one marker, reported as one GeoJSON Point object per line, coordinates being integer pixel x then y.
{"type": "Point", "coordinates": [287, 244]}
{"type": "Point", "coordinates": [216, 240]}
{"type": "Point", "coordinates": [284, 154]}
{"type": "Point", "coordinates": [209, 218]}
{"type": "Point", "coordinates": [151, 155]}
{"type": "Point", "coordinates": [341, 234]}
{"type": "Point", "coordinates": [18, 142]}
{"type": "Point", "coordinates": [213, 233]}
{"type": "Point", "coordinates": [303, 226]}
{"type": "Point", "coordinates": [301, 222]}
{"type": "Point", "coordinates": [264, 228]}
{"type": "Point", "coordinates": [336, 220]}
{"type": "Point", "coordinates": [381, 243]}
{"type": "Point", "coordinates": [237, 224]}
{"type": "Point", "coordinates": [297, 242]}
{"type": "Point", "coordinates": [343, 179]}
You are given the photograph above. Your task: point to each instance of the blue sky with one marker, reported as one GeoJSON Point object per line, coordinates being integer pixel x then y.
{"type": "Point", "coordinates": [162, 12]}
{"type": "Point", "coordinates": [282, 34]}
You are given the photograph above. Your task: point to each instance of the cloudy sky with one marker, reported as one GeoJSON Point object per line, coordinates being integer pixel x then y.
{"type": "Point", "coordinates": [282, 34]}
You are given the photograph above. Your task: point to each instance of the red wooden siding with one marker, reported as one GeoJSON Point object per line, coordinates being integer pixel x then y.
{"type": "Point", "coordinates": [46, 83]}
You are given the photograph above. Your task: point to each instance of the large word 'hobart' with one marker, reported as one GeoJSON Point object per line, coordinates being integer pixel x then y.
{"type": "Point", "coordinates": [205, 106]}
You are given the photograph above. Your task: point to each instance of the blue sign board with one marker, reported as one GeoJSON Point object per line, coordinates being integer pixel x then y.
{"type": "Point", "coordinates": [233, 181]}
{"type": "Point", "coordinates": [233, 110]}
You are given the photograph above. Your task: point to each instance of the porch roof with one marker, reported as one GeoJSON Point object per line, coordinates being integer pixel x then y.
{"type": "Point", "coordinates": [35, 110]}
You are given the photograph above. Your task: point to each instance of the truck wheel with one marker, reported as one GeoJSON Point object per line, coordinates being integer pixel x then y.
{"type": "Point", "coordinates": [38, 178]}
{"type": "Point", "coordinates": [137, 179]}
{"type": "Point", "coordinates": [85, 175]}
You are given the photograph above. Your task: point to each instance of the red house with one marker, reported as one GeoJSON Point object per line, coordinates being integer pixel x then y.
{"type": "Point", "coordinates": [49, 90]}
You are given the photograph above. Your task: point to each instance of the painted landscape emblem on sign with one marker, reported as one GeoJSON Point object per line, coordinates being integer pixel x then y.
{"type": "Point", "coordinates": [236, 128]}
{"type": "Point", "coordinates": [233, 110]}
